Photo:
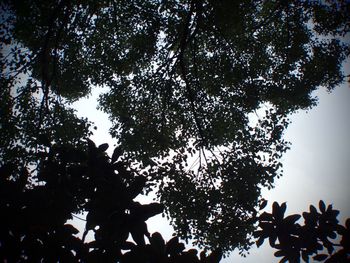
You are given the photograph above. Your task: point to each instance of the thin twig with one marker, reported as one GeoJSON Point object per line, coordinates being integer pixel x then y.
{"type": "Point", "coordinates": [82, 219]}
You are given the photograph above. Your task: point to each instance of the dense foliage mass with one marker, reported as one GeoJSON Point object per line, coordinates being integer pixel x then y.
{"type": "Point", "coordinates": [72, 181]}
{"type": "Point", "coordinates": [33, 224]}
{"type": "Point", "coordinates": [184, 79]}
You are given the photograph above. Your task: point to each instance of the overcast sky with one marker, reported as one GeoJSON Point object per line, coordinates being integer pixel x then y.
{"type": "Point", "coordinates": [315, 168]}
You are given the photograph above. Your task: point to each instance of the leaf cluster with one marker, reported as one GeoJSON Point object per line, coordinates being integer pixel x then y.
{"type": "Point", "coordinates": [320, 231]}
{"type": "Point", "coordinates": [71, 181]}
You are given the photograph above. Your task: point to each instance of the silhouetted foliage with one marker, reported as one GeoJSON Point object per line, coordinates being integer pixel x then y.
{"type": "Point", "coordinates": [33, 224]}
{"type": "Point", "coordinates": [71, 181]}
{"type": "Point", "coordinates": [321, 231]}
{"type": "Point", "coordinates": [184, 78]}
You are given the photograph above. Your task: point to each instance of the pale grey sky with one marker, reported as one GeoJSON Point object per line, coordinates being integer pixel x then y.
{"type": "Point", "coordinates": [316, 167]}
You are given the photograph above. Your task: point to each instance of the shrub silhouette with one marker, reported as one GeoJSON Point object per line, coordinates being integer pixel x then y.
{"type": "Point", "coordinates": [36, 206]}
{"type": "Point", "coordinates": [33, 222]}
{"type": "Point", "coordinates": [320, 231]}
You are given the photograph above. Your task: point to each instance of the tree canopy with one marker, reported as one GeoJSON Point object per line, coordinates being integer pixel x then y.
{"type": "Point", "coordinates": [184, 79]}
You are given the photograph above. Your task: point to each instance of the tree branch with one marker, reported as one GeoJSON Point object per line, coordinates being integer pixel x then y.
{"type": "Point", "coordinates": [185, 39]}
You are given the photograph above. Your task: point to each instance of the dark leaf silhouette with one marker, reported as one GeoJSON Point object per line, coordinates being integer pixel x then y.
{"type": "Point", "coordinates": [174, 248]}
{"type": "Point", "coordinates": [103, 147]}
{"type": "Point", "coordinates": [116, 154]}
{"type": "Point", "coordinates": [320, 257]}
{"type": "Point", "coordinates": [294, 241]}
{"type": "Point", "coordinates": [322, 206]}
{"type": "Point", "coordinates": [263, 204]}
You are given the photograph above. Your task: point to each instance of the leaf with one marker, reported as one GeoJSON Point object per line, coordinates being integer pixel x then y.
{"type": "Point", "coordinates": [291, 219]}
{"type": "Point", "coordinates": [91, 220]}
{"type": "Point", "coordinates": [280, 253]}
{"type": "Point", "coordinates": [313, 210]}
{"type": "Point", "coordinates": [215, 256]}
{"type": "Point", "coordinates": [320, 257]}
{"type": "Point", "coordinates": [103, 147]}
{"type": "Point", "coordinates": [173, 247]}
{"type": "Point", "coordinates": [275, 209]}
{"type": "Point", "coordinates": [127, 245]}
{"type": "Point", "coordinates": [329, 208]}
{"type": "Point", "coordinates": [283, 209]}
{"type": "Point", "coordinates": [91, 144]}
{"type": "Point", "coordinates": [332, 235]}
{"type": "Point", "coordinates": [71, 229]}
{"type": "Point", "coordinates": [322, 206]}
{"type": "Point", "coordinates": [341, 229]}
{"type": "Point", "coordinates": [265, 217]}
{"type": "Point", "coordinates": [157, 242]}
{"type": "Point", "coordinates": [138, 230]}
{"type": "Point", "coordinates": [263, 204]}
{"type": "Point", "coordinates": [305, 256]}
{"type": "Point", "coordinates": [136, 187]}
{"type": "Point", "coordinates": [144, 212]}
{"type": "Point", "coordinates": [260, 241]}
{"type": "Point", "coordinates": [116, 154]}
{"type": "Point", "coordinates": [258, 233]}
{"type": "Point", "coordinates": [347, 223]}
{"type": "Point", "coordinates": [272, 239]}
{"type": "Point", "coordinates": [278, 211]}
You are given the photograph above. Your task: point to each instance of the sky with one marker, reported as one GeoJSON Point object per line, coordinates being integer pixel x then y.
{"type": "Point", "coordinates": [316, 167]}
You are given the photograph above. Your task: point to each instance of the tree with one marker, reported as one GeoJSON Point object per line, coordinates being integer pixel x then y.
{"type": "Point", "coordinates": [184, 77]}
{"type": "Point", "coordinates": [31, 116]}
